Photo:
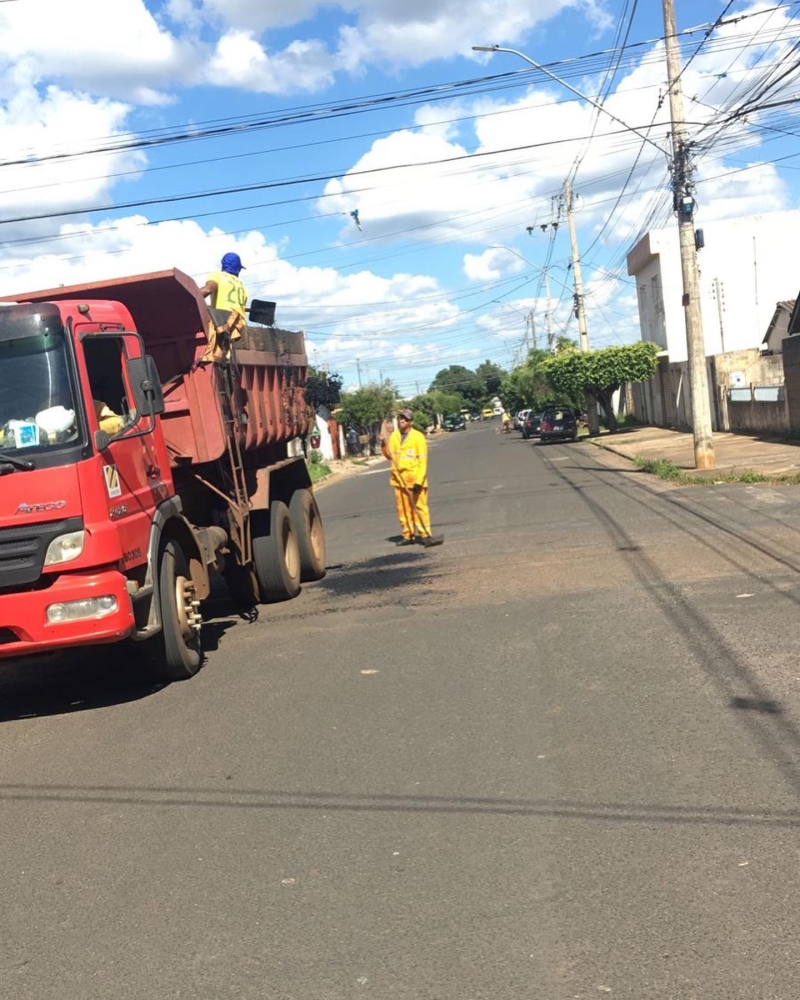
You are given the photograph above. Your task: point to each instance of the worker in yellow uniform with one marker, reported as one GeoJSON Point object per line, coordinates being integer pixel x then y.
{"type": "Point", "coordinates": [228, 294]}
{"type": "Point", "coordinates": [407, 450]}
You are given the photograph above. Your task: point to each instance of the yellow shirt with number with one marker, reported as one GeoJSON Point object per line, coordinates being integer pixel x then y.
{"type": "Point", "coordinates": [231, 295]}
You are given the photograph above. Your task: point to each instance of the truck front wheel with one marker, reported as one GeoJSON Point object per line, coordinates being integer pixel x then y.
{"type": "Point", "coordinates": [276, 554]}
{"type": "Point", "coordinates": [310, 535]}
{"type": "Point", "coordinates": [176, 654]}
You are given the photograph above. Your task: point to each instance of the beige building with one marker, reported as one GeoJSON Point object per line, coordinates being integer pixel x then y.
{"type": "Point", "coordinates": [746, 267]}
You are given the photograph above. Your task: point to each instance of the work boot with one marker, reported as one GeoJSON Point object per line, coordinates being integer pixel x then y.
{"type": "Point", "coordinates": [404, 541]}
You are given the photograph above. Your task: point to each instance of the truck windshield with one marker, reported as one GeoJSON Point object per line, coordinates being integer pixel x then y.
{"type": "Point", "coordinates": [38, 410]}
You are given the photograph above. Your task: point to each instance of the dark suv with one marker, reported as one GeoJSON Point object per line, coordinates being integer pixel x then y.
{"type": "Point", "coordinates": [558, 423]}
{"type": "Point", "coordinates": [530, 425]}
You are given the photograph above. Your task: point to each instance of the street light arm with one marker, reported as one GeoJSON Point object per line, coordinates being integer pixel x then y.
{"type": "Point", "coordinates": [571, 89]}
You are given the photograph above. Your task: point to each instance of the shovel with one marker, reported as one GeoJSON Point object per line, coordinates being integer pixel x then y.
{"type": "Point", "coordinates": [428, 540]}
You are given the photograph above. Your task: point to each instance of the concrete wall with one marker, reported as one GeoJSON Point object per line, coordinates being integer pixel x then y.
{"type": "Point", "coordinates": [791, 371]}
{"type": "Point", "coordinates": [759, 418]}
{"type": "Point", "coordinates": [665, 401]}
{"type": "Point", "coordinates": [331, 435]}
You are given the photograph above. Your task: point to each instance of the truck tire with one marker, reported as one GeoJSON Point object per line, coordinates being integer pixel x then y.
{"type": "Point", "coordinates": [175, 654]}
{"type": "Point", "coordinates": [276, 554]}
{"type": "Point", "coordinates": [310, 535]}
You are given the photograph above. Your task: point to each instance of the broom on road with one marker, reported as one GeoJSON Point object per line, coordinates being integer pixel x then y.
{"type": "Point", "coordinates": [428, 540]}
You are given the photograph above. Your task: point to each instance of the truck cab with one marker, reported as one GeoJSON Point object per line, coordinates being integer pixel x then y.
{"type": "Point", "coordinates": [84, 467]}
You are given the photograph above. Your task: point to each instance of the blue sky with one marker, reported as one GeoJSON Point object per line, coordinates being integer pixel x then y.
{"type": "Point", "coordinates": [112, 113]}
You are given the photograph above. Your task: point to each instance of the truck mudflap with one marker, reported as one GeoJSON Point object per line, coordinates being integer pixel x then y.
{"type": "Point", "coordinates": [79, 609]}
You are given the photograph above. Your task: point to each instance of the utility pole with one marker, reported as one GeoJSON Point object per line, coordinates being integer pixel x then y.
{"type": "Point", "coordinates": [551, 340]}
{"type": "Point", "coordinates": [358, 368]}
{"type": "Point", "coordinates": [530, 332]}
{"type": "Point", "coordinates": [719, 295]}
{"type": "Point", "coordinates": [684, 206]}
{"type": "Point", "coordinates": [580, 310]}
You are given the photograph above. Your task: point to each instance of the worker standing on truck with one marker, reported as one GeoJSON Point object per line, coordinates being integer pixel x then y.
{"type": "Point", "coordinates": [228, 294]}
{"type": "Point", "coordinates": [407, 450]}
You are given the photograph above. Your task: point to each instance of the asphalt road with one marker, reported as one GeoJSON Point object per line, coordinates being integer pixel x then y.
{"type": "Point", "coordinates": [555, 758]}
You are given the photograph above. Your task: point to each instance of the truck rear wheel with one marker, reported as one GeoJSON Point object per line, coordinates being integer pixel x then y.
{"type": "Point", "coordinates": [310, 535]}
{"type": "Point", "coordinates": [175, 654]}
{"type": "Point", "coordinates": [276, 554]}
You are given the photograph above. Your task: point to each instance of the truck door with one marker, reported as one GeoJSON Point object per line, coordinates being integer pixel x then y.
{"type": "Point", "coordinates": [132, 478]}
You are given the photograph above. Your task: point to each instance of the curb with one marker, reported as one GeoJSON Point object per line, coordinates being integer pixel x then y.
{"type": "Point", "coordinates": [350, 470]}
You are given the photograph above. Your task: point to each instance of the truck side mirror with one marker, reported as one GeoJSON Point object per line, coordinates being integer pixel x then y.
{"type": "Point", "coordinates": [148, 395]}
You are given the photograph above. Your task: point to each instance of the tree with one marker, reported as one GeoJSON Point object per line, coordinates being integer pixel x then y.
{"type": "Point", "coordinates": [430, 405]}
{"type": "Point", "coordinates": [322, 389]}
{"type": "Point", "coordinates": [527, 385]}
{"type": "Point", "coordinates": [460, 381]}
{"type": "Point", "coordinates": [601, 372]}
{"type": "Point", "coordinates": [564, 343]}
{"type": "Point", "coordinates": [491, 375]}
{"type": "Point", "coordinates": [366, 409]}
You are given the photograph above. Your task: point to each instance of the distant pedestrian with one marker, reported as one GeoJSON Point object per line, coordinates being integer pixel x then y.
{"type": "Point", "coordinates": [407, 450]}
{"type": "Point", "coordinates": [352, 441]}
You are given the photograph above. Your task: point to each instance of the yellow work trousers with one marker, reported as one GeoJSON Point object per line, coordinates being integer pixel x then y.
{"type": "Point", "coordinates": [405, 513]}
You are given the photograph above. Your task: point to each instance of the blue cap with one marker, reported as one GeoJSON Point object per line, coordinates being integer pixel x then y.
{"type": "Point", "coordinates": [232, 263]}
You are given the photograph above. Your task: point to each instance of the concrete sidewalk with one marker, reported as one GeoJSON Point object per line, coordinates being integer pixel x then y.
{"type": "Point", "coordinates": [734, 452]}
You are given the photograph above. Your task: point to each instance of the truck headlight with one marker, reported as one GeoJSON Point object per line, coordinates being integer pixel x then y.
{"type": "Point", "coordinates": [89, 607]}
{"type": "Point", "coordinates": [65, 548]}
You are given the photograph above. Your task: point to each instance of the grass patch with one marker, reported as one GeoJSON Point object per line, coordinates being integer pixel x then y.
{"type": "Point", "coordinates": [663, 469]}
{"type": "Point", "coordinates": [318, 470]}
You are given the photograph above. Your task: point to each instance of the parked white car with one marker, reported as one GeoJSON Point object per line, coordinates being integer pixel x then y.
{"type": "Point", "coordinates": [519, 419]}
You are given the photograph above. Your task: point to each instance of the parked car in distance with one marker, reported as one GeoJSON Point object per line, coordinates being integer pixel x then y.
{"type": "Point", "coordinates": [558, 423]}
{"type": "Point", "coordinates": [530, 425]}
{"type": "Point", "coordinates": [454, 422]}
{"type": "Point", "coordinates": [488, 413]}
{"type": "Point", "coordinates": [519, 419]}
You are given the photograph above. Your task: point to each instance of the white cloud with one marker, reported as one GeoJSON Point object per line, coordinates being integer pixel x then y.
{"type": "Point", "coordinates": [33, 125]}
{"type": "Point", "coordinates": [491, 264]}
{"type": "Point", "coordinates": [403, 32]}
{"type": "Point", "coordinates": [115, 48]}
{"type": "Point", "coordinates": [240, 61]}
{"type": "Point", "coordinates": [262, 16]}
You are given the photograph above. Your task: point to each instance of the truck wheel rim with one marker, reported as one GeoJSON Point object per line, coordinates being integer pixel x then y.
{"type": "Point", "coordinates": [291, 551]}
{"type": "Point", "coordinates": [187, 607]}
{"type": "Point", "coordinates": [315, 535]}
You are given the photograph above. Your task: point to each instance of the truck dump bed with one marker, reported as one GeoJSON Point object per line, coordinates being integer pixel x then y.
{"type": "Point", "coordinates": [172, 318]}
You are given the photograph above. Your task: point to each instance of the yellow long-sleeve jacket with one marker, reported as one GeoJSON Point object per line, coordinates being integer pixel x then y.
{"type": "Point", "coordinates": [409, 458]}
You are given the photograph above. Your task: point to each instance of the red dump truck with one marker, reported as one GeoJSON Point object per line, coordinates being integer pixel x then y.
{"type": "Point", "coordinates": [131, 471]}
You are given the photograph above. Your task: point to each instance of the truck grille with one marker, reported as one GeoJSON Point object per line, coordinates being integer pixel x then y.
{"type": "Point", "coordinates": [22, 550]}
